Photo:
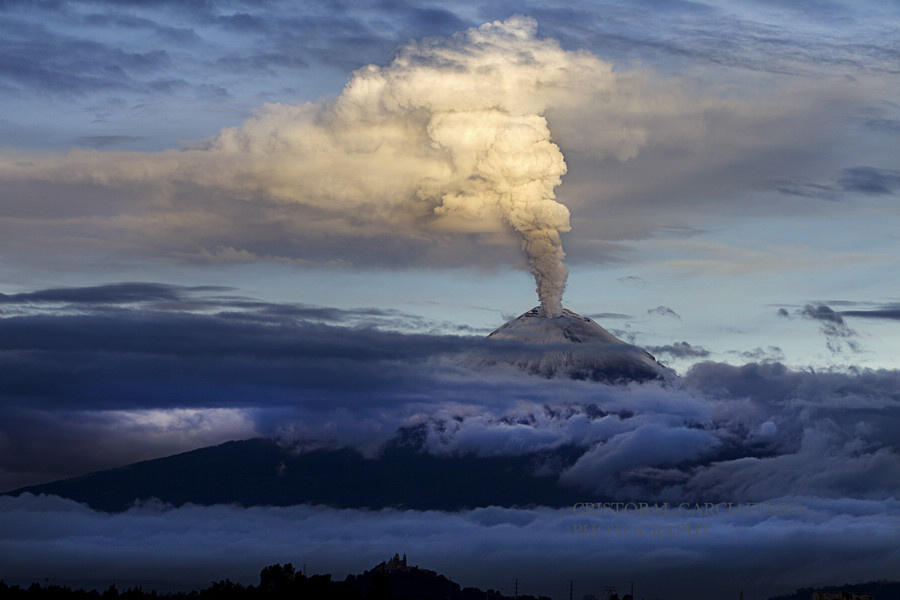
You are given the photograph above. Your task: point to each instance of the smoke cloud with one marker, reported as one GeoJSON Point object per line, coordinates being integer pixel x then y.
{"type": "Point", "coordinates": [450, 138]}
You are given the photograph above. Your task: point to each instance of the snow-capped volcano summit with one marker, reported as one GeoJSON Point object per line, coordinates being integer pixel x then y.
{"type": "Point", "coordinates": [574, 346]}
{"type": "Point", "coordinates": [534, 327]}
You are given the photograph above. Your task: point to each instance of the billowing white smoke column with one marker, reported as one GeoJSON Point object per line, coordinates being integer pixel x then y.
{"type": "Point", "coordinates": [449, 138]}
{"type": "Point", "coordinates": [508, 166]}
{"type": "Point", "coordinates": [477, 102]}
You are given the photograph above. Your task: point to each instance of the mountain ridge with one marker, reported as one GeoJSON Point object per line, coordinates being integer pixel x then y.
{"type": "Point", "coordinates": [262, 472]}
{"type": "Point", "coordinates": [571, 346]}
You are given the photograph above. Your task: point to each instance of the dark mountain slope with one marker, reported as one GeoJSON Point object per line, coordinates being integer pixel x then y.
{"type": "Point", "coordinates": [261, 472]}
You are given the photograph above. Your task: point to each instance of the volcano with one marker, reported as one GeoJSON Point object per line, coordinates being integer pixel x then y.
{"type": "Point", "coordinates": [572, 346]}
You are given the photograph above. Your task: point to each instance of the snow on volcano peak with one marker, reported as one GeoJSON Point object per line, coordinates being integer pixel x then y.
{"type": "Point", "coordinates": [533, 327]}
{"type": "Point", "coordinates": [573, 346]}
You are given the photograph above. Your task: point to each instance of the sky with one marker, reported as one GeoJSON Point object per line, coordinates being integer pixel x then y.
{"type": "Point", "coordinates": [747, 150]}
{"type": "Point", "coordinates": [233, 219]}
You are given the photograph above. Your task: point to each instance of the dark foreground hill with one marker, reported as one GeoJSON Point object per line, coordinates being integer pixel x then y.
{"type": "Point", "coordinates": [878, 590]}
{"type": "Point", "coordinates": [390, 580]}
{"type": "Point", "coordinates": [262, 472]}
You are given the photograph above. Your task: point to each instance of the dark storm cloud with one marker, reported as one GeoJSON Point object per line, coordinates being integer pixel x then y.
{"type": "Point", "coordinates": [808, 421]}
{"type": "Point", "coordinates": [888, 125]}
{"type": "Point", "coordinates": [176, 347]}
{"type": "Point", "coordinates": [855, 309]}
{"type": "Point", "coordinates": [664, 311]}
{"type": "Point", "coordinates": [169, 300]}
{"type": "Point", "coordinates": [821, 313]}
{"type": "Point", "coordinates": [174, 299]}
{"type": "Point", "coordinates": [116, 293]}
{"type": "Point", "coordinates": [124, 379]}
{"type": "Point", "coordinates": [870, 180]}
{"type": "Point", "coordinates": [680, 350]}
{"type": "Point", "coordinates": [63, 358]}
{"type": "Point", "coordinates": [92, 351]}
{"type": "Point", "coordinates": [837, 333]}
{"type": "Point", "coordinates": [141, 346]}
{"type": "Point", "coordinates": [888, 311]}
{"type": "Point", "coordinates": [775, 383]}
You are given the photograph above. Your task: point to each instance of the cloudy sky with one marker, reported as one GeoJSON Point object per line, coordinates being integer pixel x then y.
{"type": "Point", "coordinates": [722, 161]}
{"type": "Point", "coordinates": [231, 219]}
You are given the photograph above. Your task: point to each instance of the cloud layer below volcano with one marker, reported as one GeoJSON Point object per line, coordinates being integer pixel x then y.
{"type": "Point", "coordinates": [124, 380]}
{"type": "Point", "coordinates": [85, 367]}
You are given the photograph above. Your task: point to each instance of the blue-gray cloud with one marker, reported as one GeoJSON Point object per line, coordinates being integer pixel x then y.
{"type": "Point", "coordinates": [883, 124]}
{"type": "Point", "coordinates": [838, 335]}
{"type": "Point", "coordinates": [870, 180]}
{"type": "Point", "coordinates": [887, 311]}
{"type": "Point", "coordinates": [108, 141]}
{"type": "Point", "coordinates": [36, 58]}
{"type": "Point", "coordinates": [159, 546]}
{"type": "Point", "coordinates": [605, 315]}
{"type": "Point", "coordinates": [115, 293]}
{"type": "Point", "coordinates": [758, 354]}
{"type": "Point", "coordinates": [680, 350]}
{"type": "Point", "coordinates": [96, 369]}
{"type": "Point", "coordinates": [854, 309]}
{"type": "Point", "coordinates": [664, 311]}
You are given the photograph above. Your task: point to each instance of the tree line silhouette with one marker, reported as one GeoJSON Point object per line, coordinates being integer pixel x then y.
{"type": "Point", "coordinates": [283, 581]}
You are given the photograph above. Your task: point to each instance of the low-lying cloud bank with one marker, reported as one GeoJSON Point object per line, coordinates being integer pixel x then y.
{"type": "Point", "coordinates": [123, 379]}
{"type": "Point", "coordinates": [131, 371]}
{"type": "Point", "coordinates": [687, 554]}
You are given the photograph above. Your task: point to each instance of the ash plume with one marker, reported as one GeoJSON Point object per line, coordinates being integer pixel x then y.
{"type": "Point", "coordinates": [450, 138]}
{"type": "Point", "coordinates": [476, 102]}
